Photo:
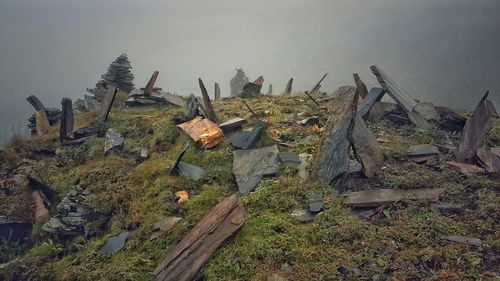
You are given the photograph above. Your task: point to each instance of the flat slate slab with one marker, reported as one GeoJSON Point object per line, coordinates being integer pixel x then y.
{"type": "Point", "coordinates": [115, 243]}
{"type": "Point", "coordinates": [316, 203]}
{"type": "Point", "coordinates": [303, 215]}
{"type": "Point", "coordinates": [249, 166]}
{"type": "Point", "coordinates": [190, 171]}
{"type": "Point", "coordinates": [232, 125]}
{"type": "Point", "coordinates": [289, 157]}
{"type": "Point", "coordinates": [378, 197]}
{"type": "Point", "coordinates": [248, 139]}
{"type": "Point", "coordinates": [427, 154]}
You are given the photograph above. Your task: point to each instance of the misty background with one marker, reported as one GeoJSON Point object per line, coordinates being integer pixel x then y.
{"type": "Point", "coordinates": [443, 51]}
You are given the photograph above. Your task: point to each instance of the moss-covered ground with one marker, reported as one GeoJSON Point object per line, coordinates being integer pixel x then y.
{"type": "Point", "coordinates": [402, 242]}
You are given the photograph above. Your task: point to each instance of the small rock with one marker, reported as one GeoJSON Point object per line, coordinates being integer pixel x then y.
{"type": "Point", "coordinates": [113, 140]}
{"type": "Point", "coordinates": [304, 163]}
{"type": "Point", "coordinates": [464, 240]}
{"type": "Point", "coordinates": [309, 121]}
{"type": "Point", "coordinates": [303, 216]}
{"type": "Point", "coordinates": [316, 203]}
{"type": "Point", "coordinates": [115, 243]}
{"type": "Point", "coordinates": [289, 157]}
{"type": "Point", "coordinates": [144, 153]}
{"type": "Point", "coordinates": [166, 223]}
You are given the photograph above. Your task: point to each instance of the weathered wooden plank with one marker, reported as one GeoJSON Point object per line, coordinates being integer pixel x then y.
{"type": "Point", "coordinates": [217, 91]}
{"type": "Point", "coordinates": [379, 197]}
{"type": "Point", "coordinates": [394, 90]}
{"type": "Point", "coordinates": [209, 109]}
{"type": "Point", "coordinates": [288, 88]}
{"type": "Point", "coordinates": [361, 87]}
{"type": "Point", "coordinates": [332, 161]}
{"type": "Point", "coordinates": [185, 261]}
{"type": "Point", "coordinates": [67, 119]}
{"type": "Point", "coordinates": [475, 130]}
{"type": "Point", "coordinates": [107, 103]}
{"type": "Point", "coordinates": [151, 83]}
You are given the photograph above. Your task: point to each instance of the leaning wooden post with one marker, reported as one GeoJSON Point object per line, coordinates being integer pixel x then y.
{"type": "Point", "coordinates": [42, 122]}
{"type": "Point", "coordinates": [108, 103]}
{"type": "Point", "coordinates": [208, 104]}
{"type": "Point", "coordinates": [149, 87]}
{"type": "Point", "coordinates": [217, 91]}
{"type": "Point", "coordinates": [67, 119]}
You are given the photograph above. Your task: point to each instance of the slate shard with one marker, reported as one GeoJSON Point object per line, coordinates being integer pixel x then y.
{"type": "Point", "coordinates": [379, 197]}
{"type": "Point", "coordinates": [375, 95]}
{"type": "Point", "coordinates": [489, 159]}
{"type": "Point", "coordinates": [252, 89]}
{"type": "Point", "coordinates": [190, 171]}
{"type": "Point", "coordinates": [107, 104]}
{"type": "Point", "coordinates": [289, 157]}
{"type": "Point", "coordinates": [248, 139]}
{"type": "Point", "coordinates": [232, 125]}
{"type": "Point", "coordinates": [48, 195]}
{"type": "Point", "coordinates": [270, 90]}
{"type": "Point", "coordinates": [475, 130]}
{"type": "Point", "coordinates": [309, 121]}
{"type": "Point", "coordinates": [448, 208]}
{"type": "Point", "coordinates": [119, 73]}
{"type": "Point", "coordinates": [115, 243]}
{"type": "Point", "coordinates": [303, 216]}
{"type": "Point", "coordinates": [250, 166]}
{"type": "Point", "coordinates": [426, 154]}
{"type": "Point", "coordinates": [238, 82]}
{"type": "Point", "coordinates": [67, 120]}
{"type": "Point", "coordinates": [151, 96]}
{"type": "Point", "coordinates": [366, 149]}
{"type": "Point", "coordinates": [216, 91]}
{"type": "Point", "coordinates": [360, 86]}
{"type": "Point", "coordinates": [40, 122]}
{"type": "Point", "coordinates": [288, 88]}
{"type": "Point", "coordinates": [209, 109]}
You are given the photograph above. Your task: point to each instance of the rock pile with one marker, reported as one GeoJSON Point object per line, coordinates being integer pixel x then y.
{"type": "Point", "coordinates": [119, 74]}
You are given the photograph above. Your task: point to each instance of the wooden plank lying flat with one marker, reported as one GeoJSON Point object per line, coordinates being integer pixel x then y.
{"type": "Point", "coordinates": [186, 260]}
{"type": "Point", "coordinates": [379, 197]}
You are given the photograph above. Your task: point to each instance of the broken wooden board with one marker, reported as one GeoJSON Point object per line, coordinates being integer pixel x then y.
{"type": "Point", "coordinates": [489, 159]}
{"type": "Point", "coordinates": [360, 86]}
{"type": "Point", "coordinates": [185, 261]}
{"type": "Point", "coordinates": [475, 130]}
{"type": "Point", "coordinates": [394, 90]}
{"type": "Point", "coordinates": [67, 119]}
{"type": "Point", "coordinates": [249, 166]}
{"type": "Point", "coordinates": [379, 197]}
{"type": "Point", "coordinates": [288, 88]}
{"type": "Point", "coordinates": [375, 95]}
{"type": "Point", "coordinates": [107, 103]}
{"type": "Point", "coordinates": [332, 161]}
{"type": "Point", "coordinates": [209, 109]}
{"type": "Point", "coordinates": [366, 148]}
{"type": "Point", "coordinates": [248, 139]}
{"type": "Point", "coordinates": [217, 91]}
{"type": "Point", "coordinates": [203, 131]}
{"type": "Point", "coordinates": [151, 83]}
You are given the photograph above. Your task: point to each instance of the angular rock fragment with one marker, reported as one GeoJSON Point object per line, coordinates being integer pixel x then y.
{"type": "Point", "coordinates": [216, 91]}
{"type": "Point", "coordinates": [448, 208]}
{"type": "Point", "coordinates": [166, 223]}
{"type": "Point", "coordinates": [248, 139]}
{"type": "Point", "coordinates": [238, 82]}
{"type": "Point", "coordinates": [464, 240]}
{"type": "Point", "coordinates": [47, 194]}
{"type": "Point", "coordinates": [42, 124]}
{"type": "Point", "coordinates": [115, 243]}
{"type": "Point", "coordinates": [288, 88]}
{"type": "Point", "coordinates": [366, 149]}
{"type": "Point", "coordinates": [190, 171]}
{"type": "Point", "coordinates": [144, 153]}
{"type": "Point", "coordinates": [303, 216]}
{"type": "Point", "coordinates": [270, 90]}
{"type": "Point", "coordinates": [309, 121]}
{"type": "Point", "coordinates": [289, 157]}
{"type": "Point", "coordinates": [252, 89]}
{"type": "Point", "coordinates": [151, 95]}
{"type": "Point", "coordinates": [232, 125]}
{"type": "Point", "coordinates": [476, 128]}
{"type": "Point", "coordinates": [426, 154]}
{"type": "Point", "coordinates": [449, 120]}
{"type": "Point", "coordinates": [148, 90]}
{"type": "Point", "coordinates": [378, 197]}
{"type": "Point", "coordinates": [41, 212]}
{"type": "Point", "coordinates": [67, 120]}
{"type": "Point", "coordinates": [466, 169]}
{"type": "Point", "coordinates": [185, 261]}
{"type": "Point", "coordinates": [113, 140]}
{"type": "Point", "coordinates": [203, 131]}
{"type": "Point", "coordinates": [250, 166]}
{"type": "Point", "coordinates": [305, 160]}
{"type": "Point", "coordinates": [489, 159]}
{"type": "Point", "coordinates": [316, 203]}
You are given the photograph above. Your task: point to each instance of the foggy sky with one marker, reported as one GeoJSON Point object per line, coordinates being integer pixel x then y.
{"type": "Point", "coordinates": [443, 51]}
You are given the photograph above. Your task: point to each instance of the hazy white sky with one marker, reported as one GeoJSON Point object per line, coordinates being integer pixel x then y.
{"type": "Point", "coordinates": [445, 51]}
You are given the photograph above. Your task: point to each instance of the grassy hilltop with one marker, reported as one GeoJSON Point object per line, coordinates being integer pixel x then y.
{"type": "Point", "coordinates": [403, 242]}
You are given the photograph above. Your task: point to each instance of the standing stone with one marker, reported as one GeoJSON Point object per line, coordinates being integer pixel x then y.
{"type": "Point", "coordinates": [209, 109]}
{"type": "Point", "coordinates": [476, 128]}
{"type": "Point", "coordinates": [288, 88]}
{"type": "Point", "coordinates": [67, 119]}
{"type": "Point", "coordinates": [332, 161]}
{"type": "Point", "coordinates": [367, 149]}
{"type": "Point", "coordinates": [149, 87]}
{"type": "Point", "coordinates": [270, 91]}
{"type": "Point", "coordinates": [107, 104]}
{"type": "Point", "coordinates": [217, 91]}
{"type": "Point", "coordinates": [361, 87]}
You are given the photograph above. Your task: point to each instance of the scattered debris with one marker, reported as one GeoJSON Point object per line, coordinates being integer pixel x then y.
{"type": "Point", "coordinates": [426, 154]}
{"type": "Point", "coordinates": [466, 169]}
{"type": "Point", "coordinates": [187, 258]}
{"type": "Point", "coordinates": [119, 73]}
{"type": "Point", "coordinates": [67, 120]}
{"type": "Point", "coordinates": [289, 157]}
{"type": "Point", "coordinates": [203, 131]}
{"type": "Point", "coordinates": [115, 243]}
{"type": "Point", "coordinates": [248, 139]}
{"type": "Point", "coordinates": [151, 95]}
{"type": "Point", "coordinates": [249, 166]}
{"type": "Point", "coordinates": [183, 197]}
{"type": "Point", "coordinates": [316, 203]}
{"type": "Point", "coordinates": [476, 129]}
{"type": "Point", "coordinates": [378, 197]}
{"type": "Point", "coordinates": [11, 230]}
{"type": "Point", "coordinates": [288, 88]}
{"type": "Point", "coordinates": [232, 125]}
{"type": "Point", "coordinates": [448, 208]}
{"type": "Point", "coordinates": [113, 140]}
{"type": "Point", "coordinates": [238, 82]}
{"type": "Point", "coordinates": [489, 159]}
{"type": "Point", "coordinates": [303, 215]}
{"type": "Point", "coordinates": [464, 240]}
{"type": "Point", "coordinates": [252, 89]}
{"type": "Point", "coordinates": [209, 109]}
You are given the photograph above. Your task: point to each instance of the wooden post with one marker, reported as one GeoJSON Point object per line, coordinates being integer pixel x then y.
{"type": "Point", "coordinates": [149, 87]}
{"type": "Point", "coordinates": [107, 104]}
{"type": "Point", "coordinates": [209, 110]}
{"type": "Point", "coordinates": [67, 119]}
{"type": "Point", "coordinates": [217, 91]}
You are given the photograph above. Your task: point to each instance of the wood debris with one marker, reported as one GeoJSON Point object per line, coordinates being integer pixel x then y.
{"type": "Point", "coordinates": [203, 131]}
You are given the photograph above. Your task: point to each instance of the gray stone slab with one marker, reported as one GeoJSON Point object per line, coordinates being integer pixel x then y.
{"type": "Point", "coordinates": [248, 139]}
{"type": "Point", "coordinates": [289, 157]}
{"type": "Point", "coordinates": [303, 216]}
{"type": "Point", "coordinates": [250, 166]}
{"type": "Point", "coordinates": [190, 171]}
{"type": "Point", "coordinates": [113, 140]}
{"type": "Point", "coordinates": [115, 243]}
{"type": "Point", "coordinates": [375, 95]}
